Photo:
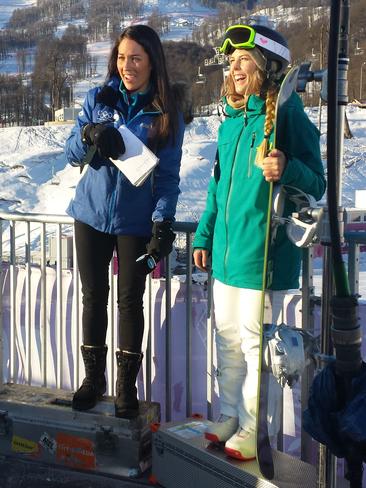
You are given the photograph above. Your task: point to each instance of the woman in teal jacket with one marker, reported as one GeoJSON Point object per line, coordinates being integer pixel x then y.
{"type": "Point", "coordinates": [232, 229]}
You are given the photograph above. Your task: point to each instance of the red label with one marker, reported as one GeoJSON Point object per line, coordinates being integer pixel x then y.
{"type": "Point", "coordinates": [75, 452]}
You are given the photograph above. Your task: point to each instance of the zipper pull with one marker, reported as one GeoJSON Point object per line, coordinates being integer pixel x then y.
{"type": "Point", "coordinates": [253, 140]}
{"type": "Point", "coordinates": [250, 154]}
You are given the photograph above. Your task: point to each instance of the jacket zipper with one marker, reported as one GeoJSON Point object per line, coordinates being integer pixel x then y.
{"type": "Point", "coordinates": [141, 113]}
{"type": "Point", "coordinates": [114, 194]}
{"type": "Point", "coordinates": [111, 207]}
{"type": "Point", "coordinates": [113, 198]}
{"type": "Point", "coordinates": [228, 200]}
{"type": "Point", "coordinates": [251, 155]}
{"type": "Point", "coordinates": [245, 116]}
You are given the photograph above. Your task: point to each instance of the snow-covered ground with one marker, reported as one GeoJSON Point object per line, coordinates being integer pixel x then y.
{"type": "Point", "coordinates": [32, 164]}
{"type": "Point", "coordinates": [36, 177]}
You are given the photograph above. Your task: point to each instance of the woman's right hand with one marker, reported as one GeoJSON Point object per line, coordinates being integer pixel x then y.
{"type": "Point", "coordinates": [201, 259]}
{"type": "Point", "coordinates": [106, 138]}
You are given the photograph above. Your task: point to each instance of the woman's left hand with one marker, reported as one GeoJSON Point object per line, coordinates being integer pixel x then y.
{"type": "Point", "coordinates": [274, 165]}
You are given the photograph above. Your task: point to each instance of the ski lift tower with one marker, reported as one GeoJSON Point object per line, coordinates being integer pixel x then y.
{"type": "Point", "coordinates": [200, 78]}
{"type": "Point", "coordinates": [218, 60]}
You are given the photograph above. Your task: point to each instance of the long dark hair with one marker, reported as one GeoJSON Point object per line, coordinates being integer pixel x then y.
{"type": "Point", "coordinates": [167, 124]}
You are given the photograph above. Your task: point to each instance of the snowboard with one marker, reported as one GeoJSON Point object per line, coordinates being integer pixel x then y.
{"type": "Point", "coordinates": [263, 446]}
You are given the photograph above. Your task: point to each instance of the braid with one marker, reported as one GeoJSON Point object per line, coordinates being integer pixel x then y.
{"type": "Point", "coordinates": [270, 112]}
{"type": "Point", "coordinates": [262, 149]}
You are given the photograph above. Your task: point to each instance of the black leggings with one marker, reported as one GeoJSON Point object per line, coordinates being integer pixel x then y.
{"type": "Point", "coordinates": [94, 253]}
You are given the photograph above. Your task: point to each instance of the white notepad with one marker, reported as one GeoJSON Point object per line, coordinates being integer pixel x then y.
{"type": "Point", "coordinates": [138, 161]}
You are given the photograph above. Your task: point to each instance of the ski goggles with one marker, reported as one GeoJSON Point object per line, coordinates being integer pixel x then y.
{"type": "Point", "coordinates": [245, 37]}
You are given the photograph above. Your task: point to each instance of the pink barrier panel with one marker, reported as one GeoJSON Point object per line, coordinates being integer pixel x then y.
{"type": "Point", "coordinates": [292, 316]}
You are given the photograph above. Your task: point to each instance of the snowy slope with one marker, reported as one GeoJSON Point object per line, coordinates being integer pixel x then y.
{"type": "Point", "coordinates": [31, 159]}
{"type": "Point", "coordinates": [35, 176]}
{"type": "Point", "coordinates": [7, 7]}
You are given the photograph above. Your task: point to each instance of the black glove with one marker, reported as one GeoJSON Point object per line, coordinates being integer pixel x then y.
{"type": "Point", "coordinates": [161, 242]}
{"type": "Point", "coordinates": [146, 263]}
{"type": "Point", "coordinates": [105, 138]}
{"type": "Point", "coordinates": [108, 96]}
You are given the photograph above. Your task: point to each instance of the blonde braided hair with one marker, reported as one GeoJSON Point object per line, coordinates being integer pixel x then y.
{"type": "Point", "coordinates": [263, 148]}
{"type": "Point", "coordinates": [239, 101]}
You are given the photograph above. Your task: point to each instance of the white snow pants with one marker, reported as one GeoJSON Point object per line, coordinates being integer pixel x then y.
{"type": "Point", "coordinates": [237, 317]}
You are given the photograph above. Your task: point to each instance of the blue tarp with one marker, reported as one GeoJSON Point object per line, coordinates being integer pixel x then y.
{"type": "Point", "coordinates": [336, 415]}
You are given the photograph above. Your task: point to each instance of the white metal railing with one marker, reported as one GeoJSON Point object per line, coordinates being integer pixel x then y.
{"type": "Point", "coordinates": [42, 324]}
{"type": "Point", "coordinates": [17, 250]}
{"type": "Point", "coordinates": [40, 328]}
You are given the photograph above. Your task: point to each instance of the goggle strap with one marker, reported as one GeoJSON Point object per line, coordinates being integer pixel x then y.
{"type": "Point", "coordinates": [259, 40]}
{"type": "Point", "coordinates": [272, 46]}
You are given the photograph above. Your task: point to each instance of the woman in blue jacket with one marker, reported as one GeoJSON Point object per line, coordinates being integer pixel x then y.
{"type": "Point", "coordinates": [110, 213]}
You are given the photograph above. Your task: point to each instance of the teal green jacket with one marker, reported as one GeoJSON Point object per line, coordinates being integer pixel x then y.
{"type": "Point", "coordinates": [233, 224]}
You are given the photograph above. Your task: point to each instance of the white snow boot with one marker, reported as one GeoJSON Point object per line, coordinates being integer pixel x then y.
{"type": "Point", "coordinates": [222, 429]}
{"type": "Point", "coordinates": [241, 445]}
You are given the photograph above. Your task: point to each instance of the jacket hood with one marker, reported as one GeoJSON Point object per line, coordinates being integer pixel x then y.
{"type": "Point", "coordinates": [110, 94]}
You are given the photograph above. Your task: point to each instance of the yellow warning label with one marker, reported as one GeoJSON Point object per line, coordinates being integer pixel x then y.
{"type": "Point", "coordinates": [19, 444]}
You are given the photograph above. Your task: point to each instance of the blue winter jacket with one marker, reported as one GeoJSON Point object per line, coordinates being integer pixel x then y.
{"type": "Point", "coordinates": [104, 198]}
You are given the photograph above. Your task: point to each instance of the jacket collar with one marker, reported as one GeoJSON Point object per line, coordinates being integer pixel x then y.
{"type": "Point", "coordinates": [132, 103]}
{"type": "Point", "coordinates": [135, 99]}
{"type": "Point", "coordinates": [255, 106]}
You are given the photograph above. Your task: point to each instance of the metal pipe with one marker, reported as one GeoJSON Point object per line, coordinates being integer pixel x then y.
{"type": "Point", "coordinates": [326, 462]}
{"type": "Point", "coordinates": [43, 316]}
{"type": "Point", "coordinates": [113, 324]}
{"type": "Point", "coordinates": [13, 285]}
{"type": "Point", "coordinates": [28, 304]}
{"type": "Point", "coordinates": [149, 325]}
{"type": "Point", "coordinates": [362, 65]}
{"type": "Point", "coordinates": [337, 99]}
{"type": "Point", "coordinates": [353, 266]}
{"type": "Point", "coordinates": [76, 315]}
{"type": "Point", "coordinates": [59, 311]}
{"type": "Point", "coordinates": [111, 329]}
{"type": "Point", "coordinates": [307, 323]}
{"type": "Point", "coordinates": [1, 309]}
{"type": "Point", "coordinates": [210, 383]}
{"type": "Point", "coordinates": [168, 341]}
{"type": "Point", "coordinates": [189, 325]}
{"type": "Point", "coordinates": [35, 217]}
